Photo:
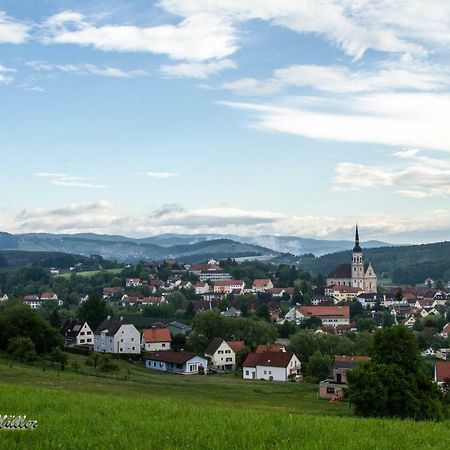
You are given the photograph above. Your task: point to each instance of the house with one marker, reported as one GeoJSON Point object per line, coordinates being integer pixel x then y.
{"type": "Point", "coordinates": [133, 282]}
{"type": "Point", "coordinates": [84, 298]}
{"type": "Point", "coordinates": [343, 293]}
{"type": "Point", "coordinates": [176, 328]}
{"type": "Point", "coordinates": [270, 348]}
{"type": "Point", "coordinates": [442, 372]}
{"type": "Point", "coordinates": [271, 366]}
{"type": "Point", "coordinates": [330, 315]}
{"type": "Point", "coordinates": [445, 331]}
{"type": "Point", "coordinates": [227, 286]}
{"type": "Point", "coordinates": [156, 339]}
{"type": "Point", "coordinates": [222, 354]}
{"type": "Point", "coordinates": [76, 332]}
{"type": "Point", "coordinates": [336, 385]}
{"type": "Point", "coordinates": [54, 271]}
{"type": "Point", "coordinates": [262, 285]}
{"type": "Point", "coordinates": [185, 363]}
{"type": "Point", "coordinates": [202, 287]}
{"type": "Point", "coordinates": [355, 274]}
{"type": "Point", "coordinates": [49, 296]}
{"type": "Point", "coordinates": [33, 301]}
{"type": "Point", "coordinates": [3, 297]}
{"type": "Point", "coordinates": [109, 292]}
{"type": "Point", "coordinates": [116, 335]}
{"type": "Point", "coordinates": [209, 272]}
{"type": "Point", "coordinates": [231, 312]}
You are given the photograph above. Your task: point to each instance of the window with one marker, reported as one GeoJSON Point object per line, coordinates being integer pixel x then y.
{"type": "Point", "coordinates": [121, 340]}
{"type": "Point", "coordinates": [81, 341]}
{"type": "Point", "coordinates": [330, 390]}
{"type": "Point", "coordinates": [247, 372]}
{"type": "Point", "coordinates": [121, 350]}
{"type": "Point", "coordinates": [132, 348]}
{"type": "Point", "coordinates": [88, 332]}
{"type": "Point", "coordinates": [82, 333]}
{"type": "Point", "coordinates": [265, 373]}
{"type": "Point", "coordinates": [163, 345]}
{"type": "Point", "coordinates": [132, 339]}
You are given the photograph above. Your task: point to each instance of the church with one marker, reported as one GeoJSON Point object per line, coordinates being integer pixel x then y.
{"type": "Point", "coordinates": [357, 274]}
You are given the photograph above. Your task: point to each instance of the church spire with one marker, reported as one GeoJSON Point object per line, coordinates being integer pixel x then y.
{"type": "Point", "coordinates": [357, 247]}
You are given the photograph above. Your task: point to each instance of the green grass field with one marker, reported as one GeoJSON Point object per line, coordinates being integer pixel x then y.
{"type": "Point", "coordinates": [151, 410]}
{"type": "Point", "coordinates": [89, 273]}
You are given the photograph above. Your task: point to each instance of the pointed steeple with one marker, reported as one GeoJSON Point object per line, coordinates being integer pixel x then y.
{"type": "Point", "coordinates": [357, 248]}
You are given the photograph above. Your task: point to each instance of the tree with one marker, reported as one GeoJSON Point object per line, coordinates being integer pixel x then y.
{"type": "Point", "coordinates": [94, 311]}
{"type": "Point", "coordinates": [176, 299]}
{"type": "Point", "coordinates": [190, 311]}
{"type": "Point", "coordinates": [263, 312]}
{"type": "Point", "coordinates": [59, 357]}
{"type": "Point", "coordinates": [394, 382]}
{"type": "Point", "coordinates": [93, 359]}
{"type": "Point", "coordinates": [22, 348]}
{"type": "Point", "coordinates": [106, 363]}
{"type": "Point", "coordinates": [55, 320]}
{"type": "Point", "coordinates": [318, 366]}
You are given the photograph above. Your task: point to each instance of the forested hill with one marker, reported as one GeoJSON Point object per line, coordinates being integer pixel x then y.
{"type": "Point", "coordinates": [409, 264]}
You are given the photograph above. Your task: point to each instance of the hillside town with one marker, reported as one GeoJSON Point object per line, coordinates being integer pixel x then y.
{"type": "Point", "coordinates": [201, 319]}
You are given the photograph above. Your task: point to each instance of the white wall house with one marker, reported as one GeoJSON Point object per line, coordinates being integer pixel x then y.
{"type": "Point", "coordinates": [77, 333]}
{"type": "Point", "coordinates": [184, 363]}
{"type": "Point", "coordinates": [271, 366]}
{"type": "Point", "coordinates": [156, 339]}
{"type": "Point", "coordinates": [115, 335]}
{"type": "Point", "coordinates": [222, 354]}
{"type": "Point", "coordinates": [330, 315]}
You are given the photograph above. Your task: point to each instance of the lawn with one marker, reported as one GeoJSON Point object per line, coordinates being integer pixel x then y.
{"type": "Point", "coordinates": [90, 273]}
{"type": "Point", "coordinates": [151, 410]}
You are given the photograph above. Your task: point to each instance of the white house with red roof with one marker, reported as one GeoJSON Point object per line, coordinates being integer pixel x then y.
{"type": "Point", "coordinates": [228, 286]}
{"type": "Point", "coordinates": [445, 332]}
{"type": "Point", "coordinates": [262, 285]}
{"type": "Point", "coordinates": [201, 287]}
{"type": "Point", "coordinates": [271, 366]}
{"type": "Point", "coordinates": [156, 339]}
{"type": "Point", "coordinates": [329, 315]}
{"type": "Point", "coordinates": [133, 282]}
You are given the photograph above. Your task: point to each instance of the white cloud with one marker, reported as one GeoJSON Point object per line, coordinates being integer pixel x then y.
{"type": "Point", "coordinates": [392, 118]}
{"type": "Point", "coordinates": [103, 217]}
{"type": "Point", "coordinates": [420, 178]}
{"type": "Point", "coordinates": [406, 27]}
{"type": "Point", "coordinates": [5, 74]}
{"type": "Point", "coordinates": [198, 37]}
{"type": "Point", "coordinates": [62, 179]}
{"type": "Point", "coordinates": [159, 175]}
{"type": "Point", "coordinates": [342, 80]}
{"type": "Point", "coordinates": [12, 31]}
{"type": "Point", "coordinates": [86, 69]}
{"type": "Point", "coordinates": [199, 70]}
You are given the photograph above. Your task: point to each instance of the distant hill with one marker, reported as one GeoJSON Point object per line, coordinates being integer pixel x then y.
{"type": "Point", "coordinates": [20, 258]}
{"type": "Point", "coordinates": [128, 249]}
{"type": "Point", "coordinates": [408, 264]}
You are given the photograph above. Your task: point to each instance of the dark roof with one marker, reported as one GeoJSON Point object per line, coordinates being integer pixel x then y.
{"type": "Point", "coordinates": [112, 325]}
{"type": "Point", "coordinates": [357, 248]}
{"type": "Point", "coordinates": [348, 362]}
{"type": "Point", "coordinates": [170, 356]}
{"type": "Point", "coordinates": [344, 271]}
{"type": "Point", "coordinates": [213, 346]}
{"type": "Point", "coordinates": [270, 359]}
{"type": "Point", "coordinates": [72, 327]}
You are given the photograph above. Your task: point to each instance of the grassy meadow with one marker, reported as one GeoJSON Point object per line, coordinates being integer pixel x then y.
{"type": "Point", "coordinates": [151, 410]}
{"type": "Point", "coordinates": [89, 273]}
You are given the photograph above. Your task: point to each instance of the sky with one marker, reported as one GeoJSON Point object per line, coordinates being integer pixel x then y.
{"type": "Point", "coordinates": [250, 117]}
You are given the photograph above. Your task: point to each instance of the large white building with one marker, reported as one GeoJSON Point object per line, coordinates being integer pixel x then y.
{"type": "Point", "coordinates": [271, 366]}
{"type": "Point", "coordinates": [357, 274]}
{"type": "Point", "coordinates": [329, 315]}
{"type": "Point", "coordinates": [115, 335]}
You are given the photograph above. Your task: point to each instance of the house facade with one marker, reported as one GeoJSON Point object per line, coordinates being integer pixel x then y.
{"type": "Point", "coordinates": [222, 354]}
{"type": "Point", "coordinates": [336, 386]}
{"type": "Point", "coordinates": [156, 339]}
{"type": "Point", "coordinates": [76, 333]}
{"type": "Point", "coordinates": [271, 366]}
{"type": "Point", "coordinates": [228, 286]}
{"type": "Point", "coordinates": [184, 363]}
{"type": "Point", "coordinates": [357, 274]}
{"type": "Point", "coordinates": [329, 315]}
{"type": "Point", "coordinates": [116, 335]}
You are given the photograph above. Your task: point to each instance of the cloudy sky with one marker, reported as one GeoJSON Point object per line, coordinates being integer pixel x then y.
{"type": "Point", "coordinates": [294, 117]}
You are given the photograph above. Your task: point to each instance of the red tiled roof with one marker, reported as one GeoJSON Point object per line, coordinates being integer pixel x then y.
{"type": "Point", "coordinates": [344, 289]}
{"type": "Point", "coordinates": [352, 358]}
{"type": "Point", "coordinates": [324, 311]}
{"type": "Point", "coordinates": [47, 295]}
{"type": "Point", "coordinates": [261, 282]}
{"type": "Point", "coordinates": [270, 359]}
{"type": "Point", "coordinates": [152, 335]}
{"type": "Point", "coordinates": [269, 348]}
{"type": "Point", "coordinates": [229, 283]}
{"type": "Point", "coordinates": [236, 345]}
{"type": "Point", "coordinates": [446, 329]}
{"type": "Point", "coordinates": [442, 370]}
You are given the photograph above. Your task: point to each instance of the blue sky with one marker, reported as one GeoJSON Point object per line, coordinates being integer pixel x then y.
{"type": "Point", "coordinates": [249, 117]}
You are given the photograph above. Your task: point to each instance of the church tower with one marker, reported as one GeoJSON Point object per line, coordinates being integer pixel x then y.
{"type": "Point", "coordinates": [357, 263]}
